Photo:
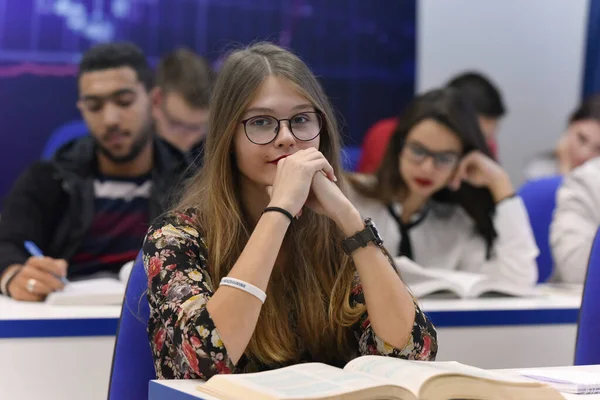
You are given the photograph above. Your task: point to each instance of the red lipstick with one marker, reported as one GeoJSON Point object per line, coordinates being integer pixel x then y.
{"type": "Point", "coordinates": [423, 182]}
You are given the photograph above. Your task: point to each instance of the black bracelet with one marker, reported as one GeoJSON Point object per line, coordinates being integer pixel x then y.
{"type": "Point", "coordinates": [9, 280]}
{"type": "Point", "coordinates": [280, 210]}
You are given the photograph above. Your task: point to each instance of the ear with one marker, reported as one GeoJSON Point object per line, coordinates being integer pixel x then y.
{"type": "Point", "coordinates": [79, 105]}
{"type": "Point", "coordinates": [156, 96]}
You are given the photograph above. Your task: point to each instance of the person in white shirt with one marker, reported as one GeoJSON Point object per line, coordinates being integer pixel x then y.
{"type": "Point", "coordinates": [441, 200]}
{"type": "Point", "coordinates": [576, 220]}
{"type": "Point", "coordinates": [580, 143]}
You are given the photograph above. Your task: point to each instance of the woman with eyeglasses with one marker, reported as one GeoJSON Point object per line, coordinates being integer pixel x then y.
{"type": "Point", "coordinates": [441, 200]}
{"type": "Point", "coordinates": [265, 262]}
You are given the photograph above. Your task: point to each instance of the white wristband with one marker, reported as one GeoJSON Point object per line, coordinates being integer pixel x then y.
{"type": "Point", "coordinates": [246, 287]}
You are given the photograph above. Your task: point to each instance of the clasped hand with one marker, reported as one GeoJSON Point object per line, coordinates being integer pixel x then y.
{"type": "Point", "coordinates": [306, 179]}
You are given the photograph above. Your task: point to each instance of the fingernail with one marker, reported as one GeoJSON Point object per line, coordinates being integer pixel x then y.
{"type": "Point", "coordinates": [335, 178]}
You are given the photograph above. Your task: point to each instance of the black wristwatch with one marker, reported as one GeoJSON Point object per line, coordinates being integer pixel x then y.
{"type": "Point", "coordinates": [362, 238]}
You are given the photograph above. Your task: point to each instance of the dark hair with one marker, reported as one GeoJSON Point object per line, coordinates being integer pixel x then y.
{"type": "Point", "coordinates": [589, 109]}
{"type": "Point", "coordinates": [186, 73]}
{"type": "Point", "coordinates": [449, 108]}
{"type": "Point", "coordinates": [117, 55]}
{"type": "Point", "coordinates": [480, 90]}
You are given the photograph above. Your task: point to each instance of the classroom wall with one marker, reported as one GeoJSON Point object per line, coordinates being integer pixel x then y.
{"type": "Point", "coordinates": [534, 49]}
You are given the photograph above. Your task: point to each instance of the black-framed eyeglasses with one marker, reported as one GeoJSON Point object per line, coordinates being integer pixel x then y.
{"type": "Point", "coordinates": [442, 160]}
{"type": "Point", "coordinates": [263, 129]}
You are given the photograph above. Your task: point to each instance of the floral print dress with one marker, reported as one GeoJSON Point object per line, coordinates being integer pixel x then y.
{"type": "Point", "coordinates": [184, 340]}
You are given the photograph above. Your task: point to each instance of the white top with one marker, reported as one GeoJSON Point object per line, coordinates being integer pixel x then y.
{"type": "Point", "coordinates": [576, 220]}
{"type": "Point", "coordinates": [446, 238]}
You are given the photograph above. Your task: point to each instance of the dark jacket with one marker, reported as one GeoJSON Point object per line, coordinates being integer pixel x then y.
{"type": "Point", "coordinates": [52, 202]}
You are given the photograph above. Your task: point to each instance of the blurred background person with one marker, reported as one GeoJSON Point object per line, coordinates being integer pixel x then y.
{"type": "Point", "coordinates": [575, 222]}
{"type": "Point", "coordinates": [487, 100]}
{"type": "Point", "coordinates": [580, 143]}
{"type": "Point", "coordinates": [441, 200]}
{"type": "Point", "coordinates": [89, 207]}
{"type": "Point", "coordinates": [180, 100]}
{"type": "Point", "coordinates": [485, 97]}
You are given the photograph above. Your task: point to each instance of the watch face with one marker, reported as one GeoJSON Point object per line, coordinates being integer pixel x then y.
{"type": "Point", "coordinates": [369, 222]}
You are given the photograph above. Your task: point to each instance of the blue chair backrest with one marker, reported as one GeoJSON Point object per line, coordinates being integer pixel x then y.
{"type": "Point", "coordinates": [539, 197]}
{"type": "Point", "coordinates": [350, 158]}
{"type": "Point", "coordinates": [587, 350]}
{"type": "Point", "coordinates": [62, 135]}
{"type": "Point", "coordinates": [133, 365]}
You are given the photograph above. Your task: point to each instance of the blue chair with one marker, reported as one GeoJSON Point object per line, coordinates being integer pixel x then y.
{"type": "Point", "coordinates": [539, 197]}
{"type": "Point", "coordinates": [61, 136]}
{"type": "Point", "coordinates": [133, 365]}
{"type": "Point", "coordinates": [587, 350]}
{"type": "Point", "coordinates": [350, 158]}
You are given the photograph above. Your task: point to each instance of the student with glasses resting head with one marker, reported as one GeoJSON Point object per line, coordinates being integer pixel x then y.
{"type": "Point", "coordinates": [259, 266]}
{"type": "Point", "coordinates": [441, 200]}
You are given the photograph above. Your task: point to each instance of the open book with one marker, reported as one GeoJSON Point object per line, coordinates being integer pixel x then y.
{"type": "Point", "coordinates": [433, 281]}
{"type": "Point", "coordinates": [566, 380]}
{"type": "Point", "coordinates": [98, 291]}
{"type": "Point", "coordinates": [377, 377]}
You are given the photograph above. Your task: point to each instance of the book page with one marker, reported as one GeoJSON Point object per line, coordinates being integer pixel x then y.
{"type": "Point", "coordinates": [413, 374]}
{"type": "Point", "coordinates": [424, 281]}
{"type": "Point", "coordinates": [432, 289]}
{"type": "Point", "coordinates": [100, 285]}
{"type": "Point", "coordinates": [302, 381]}
{"type": "Point", "coordinates": [467, 281]}
{"type": "Point", "coordinates": [490, 286]}
{"type": "Point", "coordinates": [464, 284]}
{"type": "Point", "coordinates": [100, 291]}
{"type": "Point", "coordinates": [565, 380]}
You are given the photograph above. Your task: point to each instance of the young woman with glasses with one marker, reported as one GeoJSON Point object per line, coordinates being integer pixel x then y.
{"type": "Point", "coordinates": [442, 201]}
{"type": "Point", "coordinates": [265, 262]}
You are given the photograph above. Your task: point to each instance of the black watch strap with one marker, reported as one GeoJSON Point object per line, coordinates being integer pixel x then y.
{"type": "Point", "coordinates": [362, 238]}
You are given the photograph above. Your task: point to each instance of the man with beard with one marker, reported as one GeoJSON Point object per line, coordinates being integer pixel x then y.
{"type": "Point", "coordinates": [89, 208]}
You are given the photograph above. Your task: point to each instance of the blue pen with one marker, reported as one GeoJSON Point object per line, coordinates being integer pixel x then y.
{"type": "Point", "coordinates": [36, 252]}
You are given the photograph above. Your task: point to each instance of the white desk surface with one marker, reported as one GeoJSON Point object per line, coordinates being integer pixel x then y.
{"type": "Point", "coordinates": [546, 298]}
{"type": "Point", "coordinates": [186, 389]}
{"type": "Point", "coordinates": [62, 339]}
{"type": "Point", "coordinates": [20, 310]}
{"type": "Point", "coordinates": [548, 307]}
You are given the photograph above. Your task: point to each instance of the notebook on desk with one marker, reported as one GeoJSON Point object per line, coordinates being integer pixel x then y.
{"type": "Point", "coordinates": [92, 292]}
{"type": "Point", "coordinates": [434, 282]}
{"type": "Point", "coordinates": [101, 290]}
{"type": "Point", "coordinates": [377, 377]}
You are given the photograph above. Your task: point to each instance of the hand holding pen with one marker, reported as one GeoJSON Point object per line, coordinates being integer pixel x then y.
{"type": "Point", "coordinates": [38, 277]}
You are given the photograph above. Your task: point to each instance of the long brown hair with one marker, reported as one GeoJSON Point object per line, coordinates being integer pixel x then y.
{"type": "Point", "coordinates": [452, 109]}
{"type": "Point", "coordinates": [317, 281]}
